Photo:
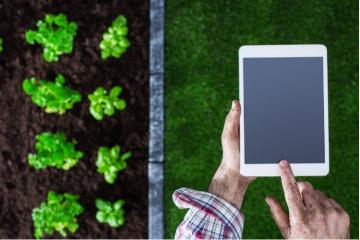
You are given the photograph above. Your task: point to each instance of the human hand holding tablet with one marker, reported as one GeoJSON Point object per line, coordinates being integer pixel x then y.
{"type": "Point", "coordinates": [283, 94]}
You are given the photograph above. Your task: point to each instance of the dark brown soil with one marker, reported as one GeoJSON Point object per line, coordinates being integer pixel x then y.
{"type": "Point", "coordinates": [21, 187]}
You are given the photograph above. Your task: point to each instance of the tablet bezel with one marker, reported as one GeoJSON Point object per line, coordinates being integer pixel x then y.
{"type": "Point", "coordinates": [276, 51]}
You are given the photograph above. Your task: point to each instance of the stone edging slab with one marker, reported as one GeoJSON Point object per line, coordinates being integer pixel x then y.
{"type": "Point", "coordinates": [156, 138]}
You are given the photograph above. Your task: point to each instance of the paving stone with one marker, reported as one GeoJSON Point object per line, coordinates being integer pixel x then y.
{"type": "Point", "coordinates": [156, 36]}
{"type": "Point", "coordinates": [156, 145]}
{"type": "Point", "coordinates": [156, 201]}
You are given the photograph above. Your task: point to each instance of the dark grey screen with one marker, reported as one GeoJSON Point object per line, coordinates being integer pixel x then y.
{"type": "Point", "coordinates": [284, 110]}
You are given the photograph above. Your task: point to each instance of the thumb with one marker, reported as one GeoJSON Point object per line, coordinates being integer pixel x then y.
{"type": "Point", "coordinates": [279, 215]}
{"type": "Point", "coordinates": [231, 126]}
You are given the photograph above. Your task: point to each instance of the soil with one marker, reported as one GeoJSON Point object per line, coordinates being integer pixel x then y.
{"type": "Point", "coordinates": [23, 188]}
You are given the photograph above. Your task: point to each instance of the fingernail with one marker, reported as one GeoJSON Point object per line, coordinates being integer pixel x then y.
{"type": "Point", "coordinates": [267, 200]}
{"type": "Point", "coordinates": [283, 163]}
{"type": "Point", "coordinates": [232, 105]}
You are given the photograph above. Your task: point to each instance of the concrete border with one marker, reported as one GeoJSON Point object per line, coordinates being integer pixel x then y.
{"type": "Point", "coordinates": [156, 138]}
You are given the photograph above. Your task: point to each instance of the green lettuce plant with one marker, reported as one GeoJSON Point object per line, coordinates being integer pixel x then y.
{"type": "Point", "coordinates": [102, 104]}
{"type": "Point", "coordinates": [56, 35]}
{"type": "Point", "coordinates": [110, 213]}
{"type": "Point", "coordinates": [115, 42]}
{"type": "Point", "coordinates": [57, 214]}
{"type": "Point", "coordinates": [54, 150]}
{"type": "Point", "coordinates": [109, 162]}
{"type": "Point", "coordinates": [53, 96]}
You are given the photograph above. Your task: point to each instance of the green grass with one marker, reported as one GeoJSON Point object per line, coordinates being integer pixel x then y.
{"type": "Point", "coordinates": [201, 77]}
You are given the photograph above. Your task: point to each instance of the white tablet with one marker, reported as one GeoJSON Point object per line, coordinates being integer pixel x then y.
{"type": "Point", "coordinates": [284, 105]}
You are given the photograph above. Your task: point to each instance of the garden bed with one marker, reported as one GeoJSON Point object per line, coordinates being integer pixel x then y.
{"type": "Point", "coordinates": [23, 188]}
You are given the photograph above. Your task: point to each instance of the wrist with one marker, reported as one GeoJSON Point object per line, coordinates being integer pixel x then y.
{"type": "Point", "coordinates": [229, 185]}
{"type": "Point", "coordinates": [235, 172]}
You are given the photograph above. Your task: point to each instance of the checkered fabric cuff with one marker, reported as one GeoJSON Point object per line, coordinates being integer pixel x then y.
{"type": "Point", "coordinates": [209, 217]}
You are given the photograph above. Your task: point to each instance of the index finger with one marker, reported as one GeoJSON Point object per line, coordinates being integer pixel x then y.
{"type": "Point", "coordinates": [291, 191]}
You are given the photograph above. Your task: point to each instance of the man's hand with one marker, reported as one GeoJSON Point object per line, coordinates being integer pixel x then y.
{"type": "Point", "coordinates": [228, 183]}
{"type": "Point", "coordinates": [311, 213]}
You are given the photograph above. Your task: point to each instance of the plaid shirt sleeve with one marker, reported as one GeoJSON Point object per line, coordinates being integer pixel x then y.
{"type": "Point", "coordinates": [209, 217]}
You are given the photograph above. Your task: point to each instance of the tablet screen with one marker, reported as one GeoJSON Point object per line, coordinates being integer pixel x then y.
{"type": "Point", "coordinates": [284, 110]}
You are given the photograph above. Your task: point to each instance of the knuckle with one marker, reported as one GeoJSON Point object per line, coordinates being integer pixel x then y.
{"type": "Point", "coordinates": [305, 185]}
{"type": "Point", "coordinates": [306, 192]}
{"type": "Point", "coordinates": [320, 195]}
{"type": "Point", "coordinates": [321, 217]}
{"type": "Point", "coordinates": [318, 192]}
{"type": "Point", "coordinates": [291, 195]}
{"type": "Point", "coordinates": [332, 213]}
{"type": "Point", "coordinates": [346, 217]}
{"type": "Point", "coordinates": [308, 184]}
{"type": "Point", "coordinates": [292, 192]}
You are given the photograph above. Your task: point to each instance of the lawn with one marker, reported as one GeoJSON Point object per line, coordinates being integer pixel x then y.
{"type": "Point", "coordinates": [201, 78]}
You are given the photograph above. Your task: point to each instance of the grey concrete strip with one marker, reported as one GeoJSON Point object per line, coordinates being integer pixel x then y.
{"type": "Point", "coordinates": [156, 36]}
{"type": "Point", "coordinates": [156, 200]}
{"type": "Point", "coordinates": [156, 148]}
{"type": "Point", "coordinates": [156, 142]}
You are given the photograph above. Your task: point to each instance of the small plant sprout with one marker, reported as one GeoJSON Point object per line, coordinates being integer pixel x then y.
{"type": "Point", "coordinates": [110, 213]}
{"type": "Point", "coordinates": [53, 96]}
{"type": "Point", "coordinates": [114, 42]}
{"type": "Point", "coordinates": [102, 104]}
{"type": "Point", "coordinates": [57, 214]}
{"type": "Point", "coordinates": [56, 35]}
{"type": "Point", "coordinates": [1, 45]}
{"type": "Point", "coordinates": [54, 150]}
{"type": "Point", "coordinates": [109, 162]}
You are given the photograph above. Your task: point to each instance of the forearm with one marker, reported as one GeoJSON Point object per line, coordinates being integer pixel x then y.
{"type": "Point", "coordinates": [229, 185]}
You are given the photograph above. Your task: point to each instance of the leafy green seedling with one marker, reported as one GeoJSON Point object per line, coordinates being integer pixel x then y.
{"type": "Point", "coordinates": [58, 214]}
{"type": "Point", "coordinates": [109, 162]}
{"type": "Point", "coordinates": [1, 44]}
{"type": "Point", "coordinates": [56, 35]}
{"type": "Point", "coordinates": [53, 96]}
{"type": "Point", "coordinates": [114, 42]}
{"type": "Point", "coordinates": [102, 104]}
{"type": "Point", "coordinates": [110, 213]}
{"type": "Point", "coordinates": [54, 150]}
